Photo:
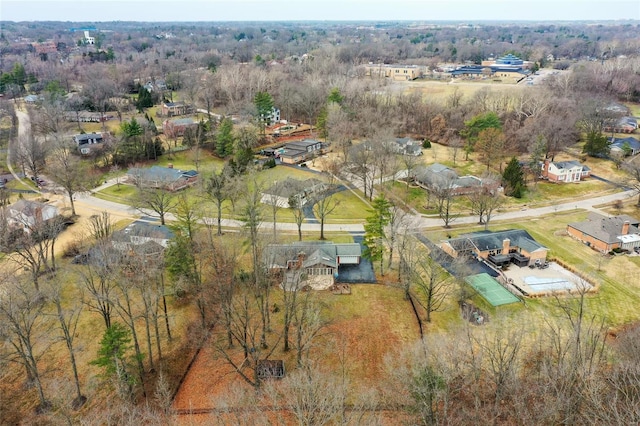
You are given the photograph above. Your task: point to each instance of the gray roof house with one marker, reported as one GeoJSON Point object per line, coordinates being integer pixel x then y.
{"type": "Point", "coordinates": [295, 152]}
{"type": "Point", "coordinates": [315, 258]}
{"type": "Point", "coordinates": [408, 146]}
{"type": "Point", "coordinates": [499, 247]}
{"type": "Point", "coordinates": [141, 233]}
{"type": "Point", "coordinates": [27, 215]}
{"type": "Point", "coordinates": [162, 177]}
{"type": "Point", "coordinates": [281, 192]}
{"type": "Point", "coordinates": [438, 175]}
{"type": "Point", "coordinates": [607, 233]}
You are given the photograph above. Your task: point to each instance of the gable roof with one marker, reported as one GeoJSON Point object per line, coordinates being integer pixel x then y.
{"type": "Point", "coordinates": [490, 240]}
{"type": "Point", "coordinates": [290, 187]}
{"type": "Point", "coordinates": [606, 229]}
{"type": "Point", "coordinates": [318, 252]}
{"type": "Point", "coordinates": [31, 209]}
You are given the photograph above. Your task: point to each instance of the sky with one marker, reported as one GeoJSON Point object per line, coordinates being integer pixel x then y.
{"type": "Point", "coordinates": [323, 10]}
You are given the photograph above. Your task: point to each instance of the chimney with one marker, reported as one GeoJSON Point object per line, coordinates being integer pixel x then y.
{"type": "Point", "coordinates": [506, 243]}
{"type": "Point", "coordinates": [625, 227]}
{"type": "Point", "coordinates": [170, 165]}
{"type": "Point", "coordinates": [301, 257]}
{"type": "Point", "coordinates": [545, 167]}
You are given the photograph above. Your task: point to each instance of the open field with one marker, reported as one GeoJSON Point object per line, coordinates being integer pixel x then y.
{"type": "Point", "coordinates": [440, 91]}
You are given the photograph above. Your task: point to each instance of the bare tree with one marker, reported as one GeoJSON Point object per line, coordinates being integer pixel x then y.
{"type": "Point", "coordinates": [297, 208]}
{"type": "Point", "coordinates": [325, 203]}
{"type": "Point", "coordinates": [66, 170]}
{"type": "Point", "coordinates": [431, 282]}
{"type": "Point", "coordinates": [443, 191]}
{"type": "Point", "coordinates": [67, 315]}
{"type": "Point", "coordinates": [159, 200]}
{"type": "Point", "coordinates": [31, 153]}
{"type": "Point", "coordinates": [484, 203]}
{"type": "Point", "coordinates": [24, 329]}
{"type": "Point", "coordinates": [98, 279]}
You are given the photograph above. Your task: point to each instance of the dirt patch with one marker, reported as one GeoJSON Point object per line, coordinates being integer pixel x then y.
{"type": "Point", "coordinates": [473, 314]}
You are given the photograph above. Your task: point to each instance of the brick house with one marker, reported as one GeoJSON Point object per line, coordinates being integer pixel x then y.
{"type": "Point", "coordinates": [314, 258]}
{"type": "Point", "coordinates": [607, 233]}
{"type": "Point", "coordinates": [176, 128]}
{"type": "Point", "coordinates": [564, 171]}
{"type": "Point", "coordinates": [500, 248]}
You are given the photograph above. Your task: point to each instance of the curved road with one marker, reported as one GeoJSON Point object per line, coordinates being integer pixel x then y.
{"type": "Point", "coordinates": [97, 205]}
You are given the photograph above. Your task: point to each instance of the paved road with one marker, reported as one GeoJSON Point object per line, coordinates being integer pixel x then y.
{"type": "Point", "coordinates": [88, 201]}
{"type": "Point", "coordinates": [24, 129]}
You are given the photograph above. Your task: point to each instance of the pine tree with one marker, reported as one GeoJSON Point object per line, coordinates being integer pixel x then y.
{"type": "Point", "coordinates": [513, 179]}
{"type": "Point", "coordinates": [374, 231]}
{"type": "Point", "coordinates": [224, 140]}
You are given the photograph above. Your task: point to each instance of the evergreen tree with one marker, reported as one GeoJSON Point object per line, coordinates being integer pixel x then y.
{"type": "Point", "coordinates": [144, 99]}
{"type": "Point", "coordinates": [473, 127]}
{"type": "Point", "coordinates": [596, 145]}
{"type": "Point", "coordinates": [335, 96]}
{"type": "Point", "coordinates": [224, 139]}
{"type": "Point", "coordinates": [513, 179]}
{"type": "Point", "coordinates": [112, 356]}
{"type": "Point", "coordinates": [264, 106]}
{"type": "Point", "coordinates": [374, 230]}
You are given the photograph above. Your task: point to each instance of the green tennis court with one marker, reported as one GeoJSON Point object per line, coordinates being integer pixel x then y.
{"type": "Point", "coordinates": [491, 289]}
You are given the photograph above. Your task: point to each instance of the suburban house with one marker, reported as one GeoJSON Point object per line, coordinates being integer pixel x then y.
{"type": "Point", "coordinates": [499, 248]}
{"type": "Point", "coordinates": [87, 116]}
{"type": "Point", "coordinates": [27, 215]}
{"type": "Point", "coordinates": [314, 258]}
{"type": "Point", "coordinates": [438, 176]}
{"type": "Point", "coordinates": [623, 125]}
{"type": "Point", "coordinates": [162, 177]}
{"type": "Point", "coordinates": [624, 146]}
{"type": "Point", "coordinates": [85, 139]}
{"type": "Point", "coordinates": [297, 152]}
{"type": "Point", "coordinates": [394, 71]}
{"type": "Point", "coordinates": [408, 146]}
{"type": "Point", "coordinates": [564, 171]}
{"type": "Point", "coordinates": [88, 39]}
{"type": "Point", "coordinates": [176, 128]}
{"type": "Point", "coordinates": [281, 192]}
{"type": "Point", "coordinates": [607, 233]}
{"type": "Point", "coordinates": [138, 233]}
{"type": "Point", "coordinates": [273, 117]}
{"type": "Point", "coordinates": [170, 109]}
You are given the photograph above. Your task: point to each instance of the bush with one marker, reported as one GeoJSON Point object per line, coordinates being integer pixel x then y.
{"type": "Point", "coordinates": [269, 164]}
{"type": "Point", "coordinates": [426, 144]}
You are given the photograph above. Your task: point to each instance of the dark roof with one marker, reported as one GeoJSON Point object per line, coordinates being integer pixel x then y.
{"type": "Point", "coordinates": [320, 252]}
{"type": "Point", "coordinates": [141, 228]}
{"type": "Point", "coordinates": [488, 240]}
{"type": "Point", "coordinates": [174, 104]}
{"type": "Point", "coordinates": [161, 174]}
{"type": "Point", "coordinates": [606, 229]}
{"type": "Point", "coordinates": [303, 144]}
{"type": "Point", "coordinates": [87, 136]}
{"type": "Point", "coordinates": [290, 187]}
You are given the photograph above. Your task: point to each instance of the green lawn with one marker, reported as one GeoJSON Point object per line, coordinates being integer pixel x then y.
{"type": "Point", "coordinates": [619, 276]}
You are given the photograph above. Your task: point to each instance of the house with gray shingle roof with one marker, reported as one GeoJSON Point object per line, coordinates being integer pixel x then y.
{"type": "Point", "coordinates": [499, 247]}
{"type": "Point", "coordinates": [564, 171]}
{"type": "Point", "coordinates": [162, 177]}
{"type": "Point", "coordinates": [281, 192]}
{"type": "Point", "coordinates": [604, 233]}
{"type": "Point", "coordinates": [315, 258]}
{"type": "Point", "coordinates": [437, 175]}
